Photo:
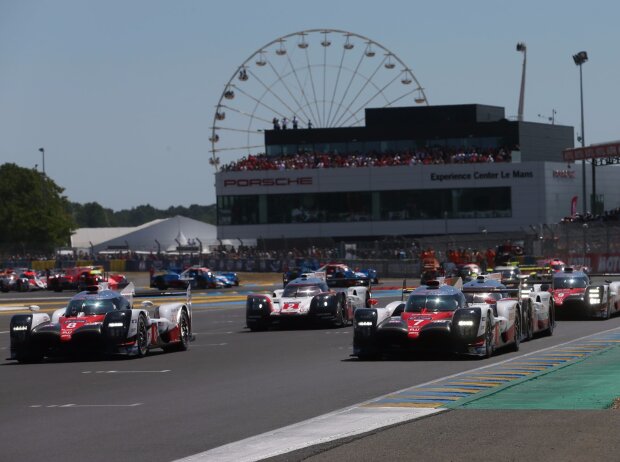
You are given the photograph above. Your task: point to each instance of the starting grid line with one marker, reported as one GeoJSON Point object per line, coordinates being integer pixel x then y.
{"type": "Point", "coordinates": [454, 392]}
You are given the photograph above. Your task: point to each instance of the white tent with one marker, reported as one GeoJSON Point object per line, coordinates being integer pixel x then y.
{"type": "Point", "coordinates": [164, 235]}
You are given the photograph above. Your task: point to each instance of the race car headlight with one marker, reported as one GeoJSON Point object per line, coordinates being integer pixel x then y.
{"type": "Point", "coordinates": [19, 328]}
{"type": "Point", "coordinates": [365, 317]}
{"type": "Point", "coordinates": [595, 295]}
{"type": "Point", "coordinates": [116, 324]}
{"type": "Point", "coordinates": [465, 323]}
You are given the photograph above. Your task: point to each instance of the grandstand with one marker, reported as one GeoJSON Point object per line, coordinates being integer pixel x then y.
{"type": "Point", "coordinates": [436, 170]}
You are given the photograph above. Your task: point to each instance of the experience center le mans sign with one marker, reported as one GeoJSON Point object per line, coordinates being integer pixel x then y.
{"type": "Point", "coordinates": [482, 175]}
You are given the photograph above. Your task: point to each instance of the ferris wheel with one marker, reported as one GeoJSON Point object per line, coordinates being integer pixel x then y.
{"type": "Point", "coordinates": [317, 78]}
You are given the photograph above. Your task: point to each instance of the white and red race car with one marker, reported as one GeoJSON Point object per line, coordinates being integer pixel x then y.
{"type": "Point", "coordinates": [306, 298]}
{"type": "Point", "coordinates": [574, 294]}
{"type": "Point", "coordinates": [100, 320]}
{"type": "Point", "coordinates": [475, 319]}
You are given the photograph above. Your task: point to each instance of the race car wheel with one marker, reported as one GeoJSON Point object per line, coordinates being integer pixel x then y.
{"type": "Point", "coordinates": [340, 320]}
{"type": "Point", "coordinates": [518, 332]}
{"type": "Point", "coordinates": [31, 356]}
{"type": "Point", "coordinates": [142, 339]}
{"type": "Point", "coordinates": [488, 339]}
{"type": "Point", "coordinates": [551, 327]}
{"type": "Point", "coordinates": [529, 324]}
{"type": "Point", "coordinates": [184, 335]}
{"type": "Point", "coordinates": [607, 313]}
{"type": "Point", "coordinates": [364, 355]}
{"type": "Point", "coordinates": [367, 302]}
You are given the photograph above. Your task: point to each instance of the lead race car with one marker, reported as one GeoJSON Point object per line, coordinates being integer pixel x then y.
{"type": "Point", "coordinates": [101, 320]}
{"type": "Point", "coordinates": [441, 317]}
{"type": "Point", "coordinates": [306, 298]}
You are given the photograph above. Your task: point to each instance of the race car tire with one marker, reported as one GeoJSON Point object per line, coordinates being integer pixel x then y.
{"type": "Point", "coordinates": [184, 334]}
{"type": "Point", "coordinates": [549, 330]}
{"type": "Point", "coordinates": [257, 326]}
{"type": "Point", "coordinates": [488, 339]}
{"type": "Point", "coordinates": [518, 333]}
{"type": "Point", "coordinates": [22, 286]}
{"type": "Point", "coordinates": [340, 320]}
{"type": "Point", "coordinates": [368, 356]}
{"type": "Point", "coordinates": [607, 314]}
{"type": "Point", "coordinates": [142, 338]}
{"type": "Point", "coordinates": [367, 301]}
{"type": "Point", "coordinates": [162, 285]}
{"type": "Point", "coordinates": [528, 323]}
{"type": "Point", "coordinates": [29, 356]}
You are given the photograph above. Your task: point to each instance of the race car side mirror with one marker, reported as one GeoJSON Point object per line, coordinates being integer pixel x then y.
{"type": "Point", "coordinates": [34, 307]}
{"type": "Point", "coordinates": [147, 304]}
{"type": "Point", "coordinates": [373, 301]}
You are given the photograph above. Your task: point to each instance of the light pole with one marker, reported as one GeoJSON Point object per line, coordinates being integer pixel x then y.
{"type": "Point", "coordinates": [579, 59]}
{"type": "Point", "coordinates": [523, 49]}
{"type": "Point", "coordinates": [42, 151]}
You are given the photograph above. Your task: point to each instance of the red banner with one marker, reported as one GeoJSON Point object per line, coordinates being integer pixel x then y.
{"type": "Point", "coordinates": [573, 206]}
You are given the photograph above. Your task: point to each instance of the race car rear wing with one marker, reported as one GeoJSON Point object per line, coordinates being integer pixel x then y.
{"type": "Point", "coordinates": [316, 274]}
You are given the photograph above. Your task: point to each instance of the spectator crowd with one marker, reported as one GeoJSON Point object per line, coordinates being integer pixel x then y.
{"type": "Point", "coordinates": [311, 160]}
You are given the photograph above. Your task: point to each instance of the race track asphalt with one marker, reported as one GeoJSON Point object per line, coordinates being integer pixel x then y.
{"type": "Point", "coordinates": [234, 384]}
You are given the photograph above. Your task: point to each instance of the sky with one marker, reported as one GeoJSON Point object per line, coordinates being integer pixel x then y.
{"type": "Point", "coordinates": [121, 94]}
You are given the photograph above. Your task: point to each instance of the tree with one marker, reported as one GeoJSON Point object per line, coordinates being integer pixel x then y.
{"type": "Point", "coordinates": [34, 215]}
{"type": "Point", "coordinates": [92, 215]}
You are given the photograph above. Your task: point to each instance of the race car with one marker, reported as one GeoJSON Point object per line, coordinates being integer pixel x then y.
{"type": "Point", "coordinates": [21, 280]}
{"type": "Point", "coordinates": [468, 272]}
{"type": "Point", "coordinates": [80, 277]}
{"type": "Point", "coordinates": [439, 317]}
{"type": "Point", "coordinates": [370, 273]}
{"type": "Point", "coordinates": [222, 281]}
{"type": "Point", "coordinates": [97, 275]}
{"type": "Point", "coordinates": [555, 264]}
{"type": "Point", "coordinates": [9, 278]}
{"type": "Point", "coordinates": [28, 281]}
{"type": "Point", "coordinates": [294, 273]}
{"type": "Point", "coordinates": [339, 275]}
{"type": "Point", "coordinates": [100, 320]}
{"type": "Point", "coordinates": [510, 275]}
{"type": "Point", "coordinates": [196, 277]}
{"type": "Point", "coordinates": [574, 294]}
{"type": "Point", "coordinates": [306, 298]}
{"type": "Point", "coordinates": [538, 306]}
{"type": "Point", "coordinates": [232, 277]}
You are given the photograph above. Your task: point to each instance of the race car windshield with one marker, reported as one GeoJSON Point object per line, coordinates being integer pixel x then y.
{"type": "Point", "coordinates": [91, 307]}
{"type": "Point", "coordinates": [420, 303]}
{"type": "Point", "coordinates": [482, 297]}
{"type": "Point", "coordinates": [570, 283]}
{"type": "Point", "coordinates": [294, 290]}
